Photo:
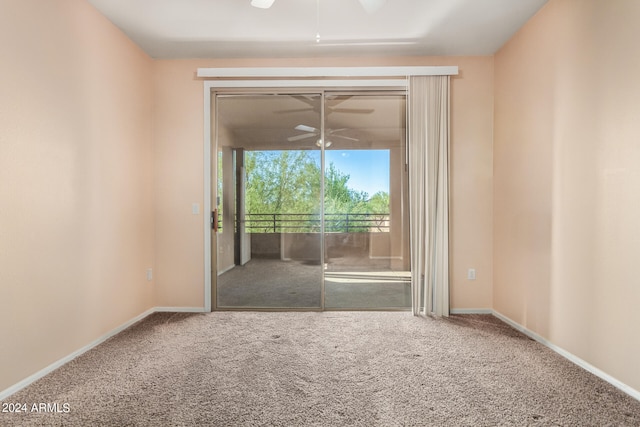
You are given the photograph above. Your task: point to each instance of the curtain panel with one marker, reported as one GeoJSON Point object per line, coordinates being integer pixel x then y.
{"type": "Point", "coordinates": [429, 193]}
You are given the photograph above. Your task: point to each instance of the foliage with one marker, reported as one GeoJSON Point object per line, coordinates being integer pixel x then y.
{"type": "Point", "coordinates": [288, 182]}
{"type": "Point", "coordinates": [281, 182]}
{"type": "Point", "coordinates": [379, 202]}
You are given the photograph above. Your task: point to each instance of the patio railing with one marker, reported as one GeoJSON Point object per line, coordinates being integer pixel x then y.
{"type": "Point", "coordinates": [310, 223]}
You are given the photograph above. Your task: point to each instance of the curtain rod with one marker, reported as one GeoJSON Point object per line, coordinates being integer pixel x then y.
{"type": "Point", "coordinates": [388, 84]}
{"type": "Point", "coordinates": [270, 72]}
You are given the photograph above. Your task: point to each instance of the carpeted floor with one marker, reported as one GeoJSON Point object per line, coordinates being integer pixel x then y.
{"type": "Point", "coordinates": [322, 369]}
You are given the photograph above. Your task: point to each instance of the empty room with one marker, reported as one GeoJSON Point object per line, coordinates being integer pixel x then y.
{"type": "Point", "coordinates": [319, 212]}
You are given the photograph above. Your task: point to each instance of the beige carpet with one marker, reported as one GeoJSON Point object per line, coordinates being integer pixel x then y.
{"type": "Point", "coordinates": [323, 369]}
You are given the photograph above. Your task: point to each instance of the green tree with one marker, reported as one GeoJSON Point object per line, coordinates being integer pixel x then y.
{"type": "Point", "coordinates": [287, 183]}
{"type": "Point", "coordinates": [379, 202]}
{"type": "Point", "coordinates": [281, 182]}
{"type": "Point", "coordinates": [338, 197]}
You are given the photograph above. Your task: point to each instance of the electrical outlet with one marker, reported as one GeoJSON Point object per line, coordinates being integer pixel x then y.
{"type": "Point", "coordinates": [471, 274]}
{"type": "Point", "coordinates": [149, 274]}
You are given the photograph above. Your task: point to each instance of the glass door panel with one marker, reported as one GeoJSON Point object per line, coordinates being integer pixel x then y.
{"type": "Point", "coordinates": [269, 199]}
{"type": "Point", "coordinates": [366, 241]}
{"type": "Point", "coordinates": [280, 243]}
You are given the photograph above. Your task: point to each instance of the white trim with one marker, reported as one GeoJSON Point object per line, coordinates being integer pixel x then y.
{"type": "Point", "coordinates": [293, 72]}
{"type": "Point", "coordinates": [470, 311]}
{"type": "Point", "coordinates": [207, 197]}
{"type": "Point", "coordinates": [571, 357]}
{"type": "Point", "coordinates": [259, 84]}
{"type": "Point", "coordinates": [55, 365]}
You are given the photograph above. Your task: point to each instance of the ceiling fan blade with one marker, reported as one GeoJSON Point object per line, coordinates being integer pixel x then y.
{"type": "Point", "coordinates": [305, 128]}
{"type": "Point", "coordinates": [338, 99]}
{"type": "Point", "coordinates": [345, 137]}
{"type": "Point", "coordinates": [372, 6]}
{"type": "Point", "coordinates": [300, 137]}
{"type": "Point", "coordinates": [308, 101]}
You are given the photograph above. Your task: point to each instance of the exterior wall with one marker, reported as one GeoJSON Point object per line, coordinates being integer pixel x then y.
{"type": "Point", "coordinates": [269, 245]}
{"type": "Point", "coordinates": [179, 172]}
{"type": "Point", "coordinates": [266, 245]}
{"type": "Point", "coordinates": [76, 195]}
{"type": "Point", "coordinates": [567, 173]}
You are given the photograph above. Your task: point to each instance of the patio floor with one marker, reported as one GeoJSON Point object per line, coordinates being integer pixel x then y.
{"type": "Point", "coordinates": [278, 284]}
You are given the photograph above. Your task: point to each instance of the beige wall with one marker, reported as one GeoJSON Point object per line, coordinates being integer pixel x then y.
{"type": "Point", "coordinates": [178, 137]}
{"type": "Point", "coordinates": [76, 207]}
{"type": "Point", "coordinates": [567, 180]}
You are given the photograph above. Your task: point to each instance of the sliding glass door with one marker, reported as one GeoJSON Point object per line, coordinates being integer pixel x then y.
{"type": "Point", "coordinates": [269, 202]}
{"type": "Point", "coordinates": [310, 194]}
{"type": "Point", "coordinates": [366, 217]}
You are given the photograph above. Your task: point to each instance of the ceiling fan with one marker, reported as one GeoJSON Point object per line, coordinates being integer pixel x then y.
{"type": "Point", "coordinates": [315, 106]}
{"type": "Point", "coordinates": [369, 5]}
{"type": "Point", "coordinates": [314, 132]}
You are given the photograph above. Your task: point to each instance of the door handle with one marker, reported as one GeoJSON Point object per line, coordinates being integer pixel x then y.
{"type": "Point", "coordinates": [214, 220]}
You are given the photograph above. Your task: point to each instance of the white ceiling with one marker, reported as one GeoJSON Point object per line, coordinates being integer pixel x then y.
{"type": "Point", "coordinates": [233, 28]}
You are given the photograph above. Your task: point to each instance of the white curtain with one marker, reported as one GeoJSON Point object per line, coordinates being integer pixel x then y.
{"type": "Point", "coordinates": [429, 193]}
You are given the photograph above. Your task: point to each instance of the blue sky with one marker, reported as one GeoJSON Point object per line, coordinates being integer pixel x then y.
{"type": "Point", "coordinates": [368, 170]}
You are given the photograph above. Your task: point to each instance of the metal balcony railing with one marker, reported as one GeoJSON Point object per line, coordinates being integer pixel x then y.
{"type": "Point", "coordinates": [310, 223]}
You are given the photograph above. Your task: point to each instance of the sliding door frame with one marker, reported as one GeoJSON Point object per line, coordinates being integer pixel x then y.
{"type": "Point", "coordinates": [286, 80]}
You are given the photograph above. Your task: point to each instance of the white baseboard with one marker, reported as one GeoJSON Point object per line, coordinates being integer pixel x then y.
{"type": "Point", "coordinates": [571, 357]}
{"type": "Point", "coordinates": [41, 373]}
